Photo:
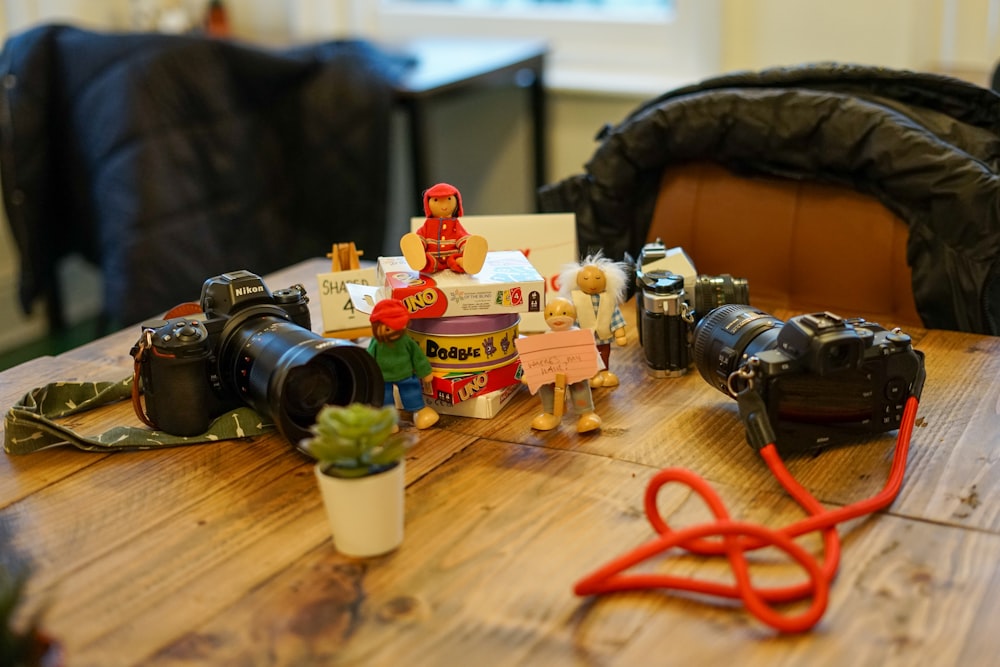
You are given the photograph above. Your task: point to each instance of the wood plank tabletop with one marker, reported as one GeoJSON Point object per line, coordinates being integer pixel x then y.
{"type": "Point", "coordinates": [220, 554]}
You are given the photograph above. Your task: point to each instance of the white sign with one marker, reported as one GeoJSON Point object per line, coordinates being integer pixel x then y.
{"type": "Point", "coordinates": [339, 313]}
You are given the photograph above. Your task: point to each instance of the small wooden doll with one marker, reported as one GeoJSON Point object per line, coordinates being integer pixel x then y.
{"type": "Point", "coordinates": [596, 286]}
{"type": "Point", "coordinates": [442, 242]}
{"type": "Point", "coordinates": [560, 315]}
{"type": "Point", "coordinates": [403, 364]}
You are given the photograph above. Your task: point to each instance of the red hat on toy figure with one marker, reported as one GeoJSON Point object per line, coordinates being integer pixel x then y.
{"type": "Point", "coordinates": [443, 190]}
{"type": "Point", "coordinates": [391, 313]}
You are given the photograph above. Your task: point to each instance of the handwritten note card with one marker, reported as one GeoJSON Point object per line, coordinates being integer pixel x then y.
{"type": "Point", "coordinates": [545, 355]}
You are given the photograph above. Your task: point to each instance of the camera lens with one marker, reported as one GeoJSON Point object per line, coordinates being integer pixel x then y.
{"type": "Point", "coordinates": [713, 291]}
{"type": "Point", "coordinates": [727, 335]}
{"type": "Point", "coordinates": [308, 388]}
{"type": "Point", "coordinates": [289, 373]}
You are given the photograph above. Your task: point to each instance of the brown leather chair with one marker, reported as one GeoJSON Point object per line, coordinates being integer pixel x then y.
{"type": "Point", "coordinates": [803, 246]}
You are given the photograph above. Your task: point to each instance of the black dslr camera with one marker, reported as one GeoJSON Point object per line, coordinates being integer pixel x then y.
{"type": "Point", "coordinates": [822, 378]}
{"type": "Point", "coordinates": [666, 312]}
{"type": "Point", "coordinates": [249, 346]}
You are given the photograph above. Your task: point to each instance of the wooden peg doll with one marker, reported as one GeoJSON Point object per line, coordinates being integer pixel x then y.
{"type": "Point", "coordinates": [560, 315]}
{"type": "Point", "coordinates": [597, 287]}
{"type": "Point", "coordinates": [403, 364]}
{"type": "Point", "coordinates": [442, 242]}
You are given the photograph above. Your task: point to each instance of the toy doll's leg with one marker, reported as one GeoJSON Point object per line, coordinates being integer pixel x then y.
{"type": "Point", "coordinates": [454, 263]}
{"type": "Point", "coordinates": [474, 254]}
{"type": "Point", "coordinates": [583, 404]}
{"type": "Point", "coordinates": [413, 251]}
{"type": "Point", "coordinates": [608, 379]}
{"type": "Point", "coordinates": [389, 398]}
{"type": "Point", "coordinates": [412, 397]}
{"type": "Point", "coordinates": [425, 417]}
{"type": "Point", "coordinates": [434, 264]}
{"type": "Point", "coordinates": [600, 379]}
{"type": "Point", "coordinates": [545, 421]}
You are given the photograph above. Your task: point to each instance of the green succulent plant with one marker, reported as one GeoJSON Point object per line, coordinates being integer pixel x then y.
{"type": "Point", "coordinates": [356, 440]}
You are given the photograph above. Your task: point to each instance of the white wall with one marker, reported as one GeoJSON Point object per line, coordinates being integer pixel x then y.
{"type": "Point", "coordinates": [940, 35]}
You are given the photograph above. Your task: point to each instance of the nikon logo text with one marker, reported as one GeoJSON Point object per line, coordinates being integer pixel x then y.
{"type": "Point", "coordinates": [253, 289]}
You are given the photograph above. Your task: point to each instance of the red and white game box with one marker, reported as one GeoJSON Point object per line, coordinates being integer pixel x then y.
{"type": "Point", "coordinates": [507, 283]}
{"type": "Point", "coordinates": [455, 388]}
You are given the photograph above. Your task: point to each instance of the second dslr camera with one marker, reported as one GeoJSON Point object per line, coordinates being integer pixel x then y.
{"type": "Point", "coordinates": [670, 299]}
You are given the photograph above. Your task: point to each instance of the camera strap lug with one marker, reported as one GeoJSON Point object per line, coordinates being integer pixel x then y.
{"type": "Point", "coordinates": [139, 351]}
{"type": "Point", "coordinates": [687, 313]}
{"type": "Point", "coordinates": [743, 377]}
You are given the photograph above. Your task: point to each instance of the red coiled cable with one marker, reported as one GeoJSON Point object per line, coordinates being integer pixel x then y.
{"type": "Point", "coordinates": [734, 539]}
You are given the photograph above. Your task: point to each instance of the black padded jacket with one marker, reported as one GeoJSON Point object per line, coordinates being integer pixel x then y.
{"type": "Point", "coordinates": [169, 159]}
{"type": "Point", "coordinates": [927, 146]}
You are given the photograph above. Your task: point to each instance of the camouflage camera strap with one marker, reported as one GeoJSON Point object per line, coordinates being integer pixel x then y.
{"type": "Point", "coordinates": [30, 424]}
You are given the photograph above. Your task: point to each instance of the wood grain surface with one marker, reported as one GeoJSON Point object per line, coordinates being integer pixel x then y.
{"type": "Point", "coordinates": [220, 554]}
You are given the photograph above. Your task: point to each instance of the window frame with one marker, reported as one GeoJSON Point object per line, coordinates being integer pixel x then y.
{"type": "Point", "coordinates": [639, 52]}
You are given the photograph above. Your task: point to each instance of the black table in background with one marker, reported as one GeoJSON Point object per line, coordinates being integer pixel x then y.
{"type": "Point", "coordinates": [456, 66]}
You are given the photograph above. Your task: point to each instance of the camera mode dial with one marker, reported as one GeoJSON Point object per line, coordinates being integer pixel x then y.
{"type": "Point", "coordinates": [176, 336]}
{"type": "Point", "coordinates": [898, 339]}
{"type": "Point", "coordinates": [292, 294]}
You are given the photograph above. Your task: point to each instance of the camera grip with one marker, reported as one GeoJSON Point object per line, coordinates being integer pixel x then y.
{"type": "Point", "coordinates": [175, 379]}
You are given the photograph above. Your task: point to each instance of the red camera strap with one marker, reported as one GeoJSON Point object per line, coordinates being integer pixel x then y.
{"type": "Point", "coordinates": [733, 539]}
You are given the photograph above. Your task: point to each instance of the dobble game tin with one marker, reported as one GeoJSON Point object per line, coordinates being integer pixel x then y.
{"type": "Point", "coordinates": [467, 344]}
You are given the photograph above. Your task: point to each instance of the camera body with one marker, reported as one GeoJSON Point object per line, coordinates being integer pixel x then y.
{"type": "Point", "coordinates": [248, 346]}
{"type": "Point", "coordinates": [822, 377]}
{"type": "Point", "coordinates": [664, 322]}
{"type": "Point", "coordinates": [670, 299]}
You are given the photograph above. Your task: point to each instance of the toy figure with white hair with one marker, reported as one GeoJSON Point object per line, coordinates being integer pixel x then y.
{"type": "Point", "coordinates": [597, 287]}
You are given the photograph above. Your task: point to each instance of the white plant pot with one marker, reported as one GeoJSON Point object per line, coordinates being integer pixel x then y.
{"type": "Point", "coordinates": [366, 513]}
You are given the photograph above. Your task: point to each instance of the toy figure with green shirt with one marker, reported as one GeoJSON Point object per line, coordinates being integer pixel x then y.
{"type": "Point", "coordinates": [403, 364]}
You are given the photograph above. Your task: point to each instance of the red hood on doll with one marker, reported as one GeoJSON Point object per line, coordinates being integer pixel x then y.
{"type": "Point", "coordinates": [442, 190]}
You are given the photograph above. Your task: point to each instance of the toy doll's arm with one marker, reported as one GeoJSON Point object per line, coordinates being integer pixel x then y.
{"type": "Point", "coordinates": [618, 326]}
{"type": "Point", "coordinates": [418, 360]}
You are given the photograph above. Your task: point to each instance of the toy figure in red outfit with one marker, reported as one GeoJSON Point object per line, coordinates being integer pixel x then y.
{"type": "Point", "coordinates": [442, 242]}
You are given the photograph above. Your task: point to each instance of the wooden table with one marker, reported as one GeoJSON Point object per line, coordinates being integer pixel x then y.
{"type": "Point", "coordinates": [220, 554]}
